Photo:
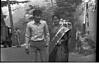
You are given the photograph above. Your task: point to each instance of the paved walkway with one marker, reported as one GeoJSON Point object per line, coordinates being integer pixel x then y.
{"type": "Point", "coordinates": [18, 55]}
{"type": "Point", "coordinates": [74, 57]}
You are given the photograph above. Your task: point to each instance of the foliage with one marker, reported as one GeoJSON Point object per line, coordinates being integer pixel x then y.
{"type": "Point", "coordinates": [66, 7]}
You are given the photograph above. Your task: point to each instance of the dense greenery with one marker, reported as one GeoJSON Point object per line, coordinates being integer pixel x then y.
{"type": "Point", "coordinates": [66, 8]}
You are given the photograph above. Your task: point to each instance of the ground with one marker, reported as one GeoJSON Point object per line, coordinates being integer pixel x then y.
{"type": "Point", "coordinates": [14, 54]}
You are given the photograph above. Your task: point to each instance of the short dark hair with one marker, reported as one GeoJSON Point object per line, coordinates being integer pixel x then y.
{"type": "Point", "coordinates": [56, 16]}
{"type": "Point", "coordinates": [37, 12]}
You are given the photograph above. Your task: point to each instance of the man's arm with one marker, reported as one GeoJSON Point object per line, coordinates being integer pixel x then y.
{"type": "Point", "coordinates": [27, 35]}
{"type": "Point", "coordinates": [47, 35]}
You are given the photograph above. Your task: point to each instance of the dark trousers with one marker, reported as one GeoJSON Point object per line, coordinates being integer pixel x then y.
{"type": "Point", "coordinates": [7, 43]}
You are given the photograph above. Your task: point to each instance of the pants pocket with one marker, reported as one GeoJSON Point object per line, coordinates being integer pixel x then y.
{"type": "Point", "coordinates": [37, 44]}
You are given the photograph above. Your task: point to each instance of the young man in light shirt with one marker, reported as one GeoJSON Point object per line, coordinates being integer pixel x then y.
{"type": "Point", "coordinates": [37, 37]}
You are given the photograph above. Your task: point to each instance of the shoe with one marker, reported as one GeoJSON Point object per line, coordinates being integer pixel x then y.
{"type": "Point", "coordinates": [5, 46]}
{"type": "Point", "coordinates": [13, 46]}
{"type": "Point", "coordinates": [18, 46]}
{"type": "Point", "coordinates": [23, 45]}
{"type": "Point", "coordinates": [10, 45]}
{"type": "Point", "coordinates": [1, 46]}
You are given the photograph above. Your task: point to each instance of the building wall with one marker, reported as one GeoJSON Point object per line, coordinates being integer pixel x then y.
{"type": "Point", "coordinates": [92, 25]}
{"type": "Point", "coordinates": [92, 21]}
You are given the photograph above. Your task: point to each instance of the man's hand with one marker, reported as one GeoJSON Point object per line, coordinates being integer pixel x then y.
{"type": "Point", "coordinates": [47, 42]}
{"type": "Point", "coordinates": [47, 45]}
{"type": "Point", "coordinates": [27, 49]}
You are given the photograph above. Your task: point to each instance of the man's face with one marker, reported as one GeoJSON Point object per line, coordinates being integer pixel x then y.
{"type": "Point", "coordinates": [37, 18]}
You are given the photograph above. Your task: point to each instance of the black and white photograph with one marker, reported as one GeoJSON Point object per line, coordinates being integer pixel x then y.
{"type": "Point", "coordinates": [48, 31]}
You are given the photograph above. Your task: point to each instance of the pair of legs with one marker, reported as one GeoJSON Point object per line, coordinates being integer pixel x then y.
{"type": "Point", "coordinates": [40, 53]}
{"type": "Point", "coordinates": [7, 43]}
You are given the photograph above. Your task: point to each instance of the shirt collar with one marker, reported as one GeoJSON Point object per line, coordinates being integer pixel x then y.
{"type": "Point", "coordinates": [35, 23]}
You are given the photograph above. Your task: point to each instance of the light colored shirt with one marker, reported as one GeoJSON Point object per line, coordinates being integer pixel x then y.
{"type": "Point", "coordinates": [36, 32]}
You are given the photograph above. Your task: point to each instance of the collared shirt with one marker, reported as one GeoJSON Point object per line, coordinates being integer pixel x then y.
{"type": "Point", "coordinates": [37, 32]}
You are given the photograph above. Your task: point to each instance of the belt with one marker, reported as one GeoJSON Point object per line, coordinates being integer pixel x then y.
{"type": "Point", "coordinates": [38, 40]}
